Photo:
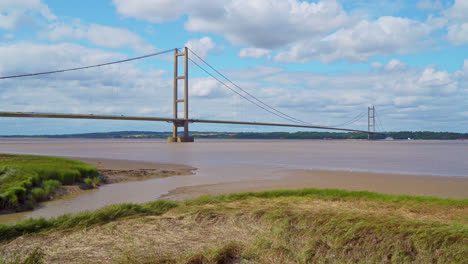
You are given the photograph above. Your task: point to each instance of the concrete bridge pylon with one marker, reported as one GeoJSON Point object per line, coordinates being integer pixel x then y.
{"type": "Point", "coordinates": [185, 121]}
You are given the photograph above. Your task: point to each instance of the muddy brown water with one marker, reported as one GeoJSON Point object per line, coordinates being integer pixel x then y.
{"type": "Point", "coordinates": [223, 161]}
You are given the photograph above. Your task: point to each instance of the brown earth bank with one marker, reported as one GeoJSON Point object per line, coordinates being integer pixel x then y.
{"type": "Point", "coordinates": [291, 179]}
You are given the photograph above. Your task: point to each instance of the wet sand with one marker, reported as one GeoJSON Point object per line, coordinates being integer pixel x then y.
{"type": "Point", "coordinates": [421, 185]}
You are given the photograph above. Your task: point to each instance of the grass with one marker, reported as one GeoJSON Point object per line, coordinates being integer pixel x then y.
{"type": "Point", "coordinates": [25, 180]}
{"type": "Point", "coordinates": [303, 226]}
{"type": "Point", "coordinates": [332, 194]}
{"type": "Point", "coordinates": [83, 220]}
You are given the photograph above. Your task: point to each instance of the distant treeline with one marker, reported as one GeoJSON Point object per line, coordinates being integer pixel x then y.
{"type": "Point", "coordinates": [425, 135]}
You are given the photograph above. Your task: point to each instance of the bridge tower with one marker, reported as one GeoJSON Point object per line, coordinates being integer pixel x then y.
{"type": "Point", "coordinates": [180, 122]}
{"type": "Point", "coordinates": [370, 122]}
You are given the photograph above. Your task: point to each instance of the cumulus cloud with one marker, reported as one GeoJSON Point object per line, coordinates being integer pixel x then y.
{"type": "Point", "coordinates": [430, 5]}
{"type": "Point", "coordinates": [395, 65]}
{"type": "Point", "coordinates": [253, 53]}
{"type": "Point", "coordinates": [103, 36]}
{"type": "Point", "coordinates": [245, 22]}
{"type": "Point", "coordinates": [458, 33]}
{"type": "Point", "coordinates": [440, 80]}
{"type": "Point", "coordinates": [14, 13]}
{"type": "Point", "coordinates": [458, 28]}
{"type": "Point", "coordinates": [385, 36]}
{"type": "Point", "coordinates": [270, 24]}
{"type": "Point", "coordinates": [205, 87]}
{"type": "Point", "coordinates": [201, 46]}
{"type": "Point", "coordinates": [320, 30]}
{"type": "Point", "coordinates": [458, 11]}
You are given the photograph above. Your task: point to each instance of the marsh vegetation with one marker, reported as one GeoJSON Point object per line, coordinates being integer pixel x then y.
{"type": "Point", "coordinates": [27, 180]}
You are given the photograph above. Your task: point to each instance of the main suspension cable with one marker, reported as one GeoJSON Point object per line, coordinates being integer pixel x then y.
{"type": "Point", "coordinates": [288, 117]}
{"type": "Point", "coordinates": [241, 95]}
{"type": "Point", "coordinates": [86, 67]}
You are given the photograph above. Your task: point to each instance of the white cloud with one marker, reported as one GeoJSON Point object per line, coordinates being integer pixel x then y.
{"type": "Point", "coordinates": [245, 22]}
{"type": "Point", "coordinates": [152, 10]}
{"type": "Point", "coordinates": [270, 23]}
{"type": "Point", "coordinates": [458, 33]}
{"type": "Point", "coordinates": [310, 31]}
{"type": "Point", "coordinates": [204, 87]}
{"type": "Point", "coordinates": [430, 5]}
{"type": "Point", "coordinates": [457, 12]}
{"type": "Point", "coordinates": [253, 52]}
{"type": "Point", "coordinates": [438, 80]}
{"type": "Point", "coordinates": [458, 20]}
{"type": "Point", "coordinates": [14, 13]}
{"type": "Point", "coordinates": [463, 73]}
{"type": "Point", "coordinates": [103, 36]}
{"type": "Point", "coordinates": [395, 65]}
{"type": "Point", "coordinates": [201, 46]}
{"type": "Point", "coordinates": [385, 36]}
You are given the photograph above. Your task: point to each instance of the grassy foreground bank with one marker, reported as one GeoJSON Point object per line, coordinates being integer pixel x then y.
{"type": "Point", "coordinates": [26, 180]}
{"type": "Point", "coordinates": [304, 226]}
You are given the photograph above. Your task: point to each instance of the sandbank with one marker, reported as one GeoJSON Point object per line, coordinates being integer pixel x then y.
{"type": "Point", "coordinates": [420, 185]}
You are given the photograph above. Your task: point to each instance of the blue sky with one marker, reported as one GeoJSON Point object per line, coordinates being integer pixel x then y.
{"type": "Point", "coordinates": [323, 62]}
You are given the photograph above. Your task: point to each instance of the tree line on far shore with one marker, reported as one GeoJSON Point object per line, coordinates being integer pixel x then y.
{"type": "Point", "coordinates": [417, 135]}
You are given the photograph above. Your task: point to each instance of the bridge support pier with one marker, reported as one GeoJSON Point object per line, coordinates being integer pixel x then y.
{"type": "Point", "coordinates": [180, 122]}
{"type": "Point", "coordinates": [371, 123]}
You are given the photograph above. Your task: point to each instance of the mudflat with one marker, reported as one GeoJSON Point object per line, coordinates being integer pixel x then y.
{"type": "Point", "coordinates": [421, 185]}
{"type": "Point", "coordinates": [115, 171]}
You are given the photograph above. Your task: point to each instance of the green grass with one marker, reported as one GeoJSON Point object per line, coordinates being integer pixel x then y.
{"type": "Point", "coordinates": [330, 194]}
{"type": "Point", "coordinates": [83, 220]}
{"type": "Point", "coordinates": [115, 212]}
{"type": "Point", "coordinates": [23, 177]}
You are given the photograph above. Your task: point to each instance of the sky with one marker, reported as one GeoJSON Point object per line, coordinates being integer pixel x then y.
{"type": "Point", "coordinates": [322, 62]}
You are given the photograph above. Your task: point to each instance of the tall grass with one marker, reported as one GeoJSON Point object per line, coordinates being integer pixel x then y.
{"type": "Point", "coordinates": [25, 180]}
{"type": "Point", "coordinates": [84, 220]}
{"type": "Point", "coordinates": [331, 194]}
{"type": "Point", "coordinates": [115, 212]}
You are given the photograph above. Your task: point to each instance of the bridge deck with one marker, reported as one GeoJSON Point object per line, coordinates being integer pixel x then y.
{"type": "Point", "coordinates": [161, 119]}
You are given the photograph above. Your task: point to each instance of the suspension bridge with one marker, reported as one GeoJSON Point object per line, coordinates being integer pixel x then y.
{"type": "Point", "coordinates": [184, 121]}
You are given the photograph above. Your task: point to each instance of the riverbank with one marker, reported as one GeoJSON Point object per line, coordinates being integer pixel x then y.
{"type": "Point", "coordinates": [304, 226]}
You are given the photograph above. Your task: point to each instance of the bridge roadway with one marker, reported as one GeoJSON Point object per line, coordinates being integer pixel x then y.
{"type": "Point", "coordinates": [161, 119]}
